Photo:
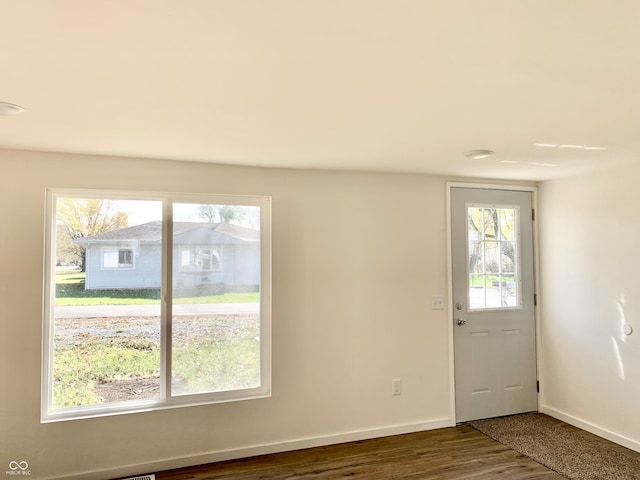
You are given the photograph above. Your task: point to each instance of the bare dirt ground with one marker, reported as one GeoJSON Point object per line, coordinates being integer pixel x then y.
{"type": "Point", "coordinates": [144, 332]}
{"type": "Point", "coordinates": [70, 331]}
{"type": "Point", "coordinates": [129, 389]}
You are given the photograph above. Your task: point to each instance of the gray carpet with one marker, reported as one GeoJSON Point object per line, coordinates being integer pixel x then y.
{"type": "Point", "coordinates": [572, 452]}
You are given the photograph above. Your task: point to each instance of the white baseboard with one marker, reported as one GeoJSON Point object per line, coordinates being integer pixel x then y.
{"type": "Point", "coordinates": [254, 450]}
{"type": "Point", "coordinates": [591, 428]}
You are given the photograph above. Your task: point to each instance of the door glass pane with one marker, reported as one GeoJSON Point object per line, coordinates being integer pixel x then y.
{"type": "Point", "coordinates": [492, 236]}
{"type": "Point", "coordinates": [508, 291]}
{"type": "Point", "coordinates": [492, 289]}
{"type": "Point", "coordinates": [508, 256]}
{"type": "Point", "coordinates": [507, 224]}
{"type": "Point", "coordinates": [216, 298]}
{"type": "Point", "coordinates": [106, 313]}
{"type": "Point", "coordinates": [491, 256]}
{"type": "Point", "coordinates": [476, 258]}
{"type": "Point", "coordinates": [489, 216]}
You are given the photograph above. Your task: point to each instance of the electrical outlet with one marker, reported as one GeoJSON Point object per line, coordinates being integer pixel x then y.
{"type": "Point", "coordinates": [396, 386]}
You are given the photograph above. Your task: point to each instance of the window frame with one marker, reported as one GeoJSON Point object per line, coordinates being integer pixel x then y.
{"type": "Point", "coordinates": [166, 400]}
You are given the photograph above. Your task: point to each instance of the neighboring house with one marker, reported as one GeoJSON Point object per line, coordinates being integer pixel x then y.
{"type": "Point", "coordinates": [214, 256]}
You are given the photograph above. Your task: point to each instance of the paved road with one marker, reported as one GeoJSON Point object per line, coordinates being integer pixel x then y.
{"type": "Point", "coordinates": [110, 311]}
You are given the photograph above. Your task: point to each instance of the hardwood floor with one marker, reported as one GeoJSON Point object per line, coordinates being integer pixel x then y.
{"type": "Point", "coordinates": [459, 453]}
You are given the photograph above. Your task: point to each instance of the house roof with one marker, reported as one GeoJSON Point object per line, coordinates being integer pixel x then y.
{"type": "Point", "coordinates": [152, 232]}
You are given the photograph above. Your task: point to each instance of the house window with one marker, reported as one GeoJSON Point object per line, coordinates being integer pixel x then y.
{"type": "Point", "coordinates": [200, 259]}
{"type": "Point", "coordinates": [113, 258]}
{"type": "Point", "coordinates": [155, 336]}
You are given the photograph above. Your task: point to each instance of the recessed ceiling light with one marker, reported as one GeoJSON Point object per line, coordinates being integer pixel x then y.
{"type": "Point", "coordinates": [478, 154]}
{"type": "Point", "coordinates": [509, 161]}
{"type": "Point", "coordinates": [548, 145]}
{"type": "Point", "coordinates": [10, 109]}
{"type": "Point", "coordinates": [594, 148]}
{"type": "Point", "coordinates": [571, 146]}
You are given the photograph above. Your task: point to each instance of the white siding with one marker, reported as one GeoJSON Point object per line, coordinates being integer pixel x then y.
{"type": "Point", "coordinates": [145, 272]}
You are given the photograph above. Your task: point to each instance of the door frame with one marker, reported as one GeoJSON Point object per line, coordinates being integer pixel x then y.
{"type": "Point", "coordinates": [450, 307]}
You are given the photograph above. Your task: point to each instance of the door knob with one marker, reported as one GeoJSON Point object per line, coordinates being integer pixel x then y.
{"type": "Point", "coordinates": [461, 321]}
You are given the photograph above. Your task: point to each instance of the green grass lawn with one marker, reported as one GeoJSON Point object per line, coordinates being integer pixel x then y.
{"type": "Point", "coordinates": [222, 365]}
{"type": "Point", "coordinates": [78, 369]}
{"type": "Point", "coordinates": [70, 291]}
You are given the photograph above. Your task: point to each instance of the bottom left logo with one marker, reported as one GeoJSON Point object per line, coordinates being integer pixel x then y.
{"type": "Point", "coordinates": [18, 468]}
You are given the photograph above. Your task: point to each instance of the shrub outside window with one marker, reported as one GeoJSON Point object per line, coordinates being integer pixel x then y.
{"type": "Point", "coordinates": [154, 301]}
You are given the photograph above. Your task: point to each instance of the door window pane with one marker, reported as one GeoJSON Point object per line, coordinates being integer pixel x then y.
{"type": "Point", "coordinates": [507, 224]}
{"type": "Point", "coordinates": [493, 256]}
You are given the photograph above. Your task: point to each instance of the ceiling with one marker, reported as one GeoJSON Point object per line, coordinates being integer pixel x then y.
{"type": "Point", "coordinates": [375, 85]}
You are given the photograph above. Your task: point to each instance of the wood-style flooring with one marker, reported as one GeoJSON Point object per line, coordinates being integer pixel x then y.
{"type": "Point", "coordinates": [459, 453]}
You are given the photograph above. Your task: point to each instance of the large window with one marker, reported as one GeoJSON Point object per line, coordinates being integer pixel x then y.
{"type": "Point", "coordinates": [154, 301]}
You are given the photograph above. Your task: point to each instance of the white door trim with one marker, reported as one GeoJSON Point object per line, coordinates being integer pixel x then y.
{"type": "Point", "coordinates": [489, 186]}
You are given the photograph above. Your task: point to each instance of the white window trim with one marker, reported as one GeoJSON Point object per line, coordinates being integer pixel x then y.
{"type": "Point", "coordinates": [166, 400]}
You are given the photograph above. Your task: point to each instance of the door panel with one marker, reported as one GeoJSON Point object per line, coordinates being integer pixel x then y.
{"type": "Point", "coordinates": [513, 374]}
{"type": "Point", "coordinates": [493, 294]}
{"type": "Point", "coordinates": [481, 362]}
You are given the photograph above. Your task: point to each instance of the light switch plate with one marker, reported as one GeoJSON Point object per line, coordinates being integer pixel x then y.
{"type": "Point", "coordinates": [437, 302]}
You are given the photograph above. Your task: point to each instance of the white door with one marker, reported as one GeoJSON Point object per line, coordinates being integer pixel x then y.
{"type": "Point", "coordinates": [493, 298]}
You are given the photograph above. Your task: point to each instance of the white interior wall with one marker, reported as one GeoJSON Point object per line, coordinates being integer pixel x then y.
{"type": "Point", "coordinates": [356, 259]}
{"type": "Point", "coordinates": [590, 287]}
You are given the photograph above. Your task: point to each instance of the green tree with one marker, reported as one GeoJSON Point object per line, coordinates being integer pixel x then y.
{"type": "Point", "coordinates": [222, 213]}
{"type": "Point", "coordinates": [83, 217]}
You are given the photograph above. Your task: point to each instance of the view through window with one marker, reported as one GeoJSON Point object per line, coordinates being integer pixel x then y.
{"type": "Point", "coordinates": [112, 345]}
{"type": "Point", "coordinates": [493, 256]}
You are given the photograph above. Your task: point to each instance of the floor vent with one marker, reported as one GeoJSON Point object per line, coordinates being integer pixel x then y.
{"type": "Point", "coordinates": [142, 477]}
